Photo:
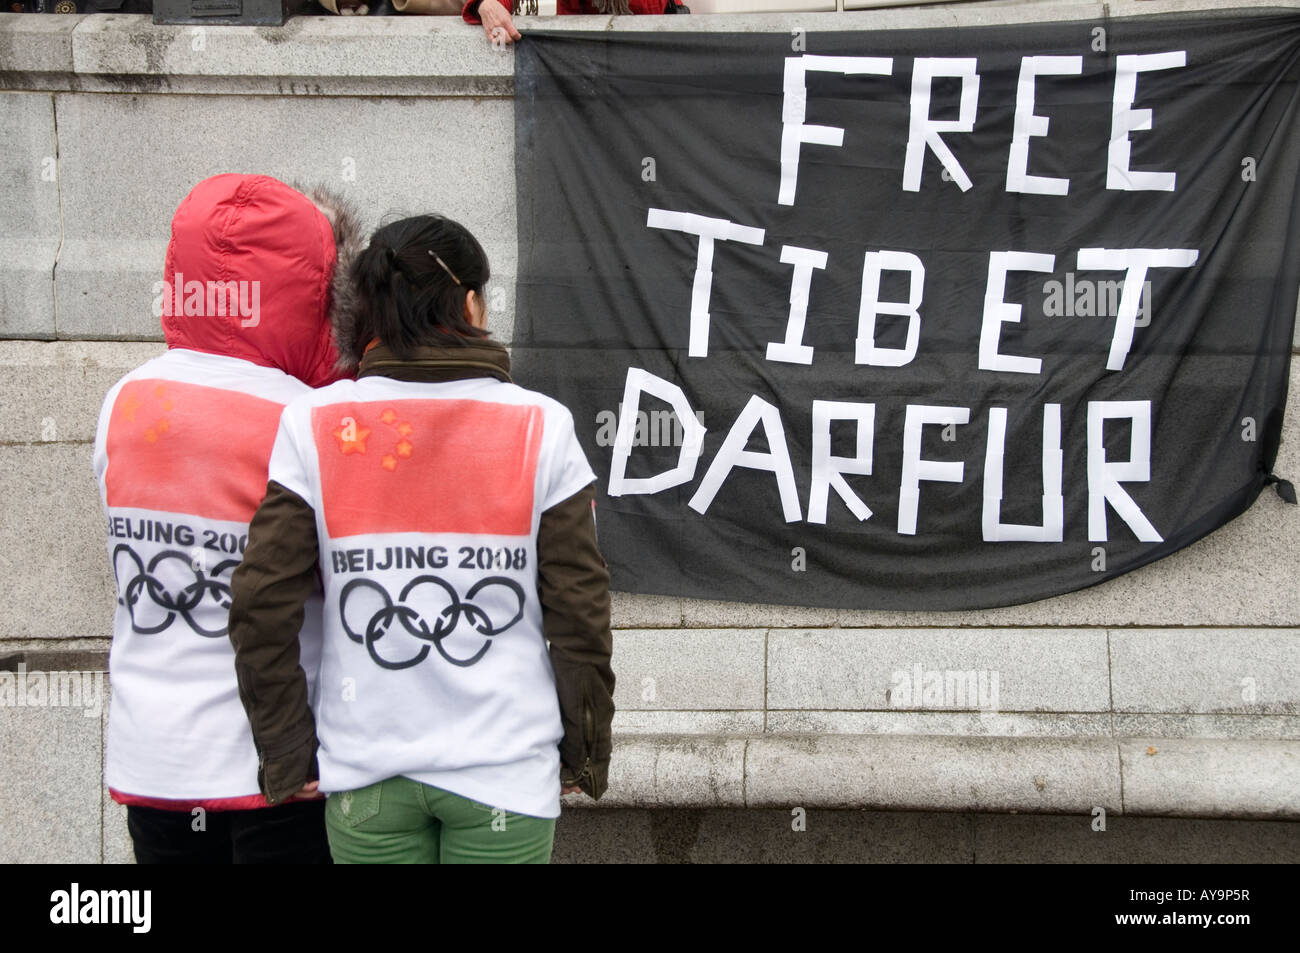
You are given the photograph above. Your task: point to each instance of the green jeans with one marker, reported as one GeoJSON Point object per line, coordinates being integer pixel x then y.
{"type": "Point", "coordinates": [400, 821]}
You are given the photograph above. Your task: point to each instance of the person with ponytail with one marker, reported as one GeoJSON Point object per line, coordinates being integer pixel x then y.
{"type": "Point", "coordinates": [465, 678]}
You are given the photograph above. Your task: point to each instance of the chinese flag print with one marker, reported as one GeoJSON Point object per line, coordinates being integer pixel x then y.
{"type": "Point", "coordinates": [186, 448]}
{"type": "Point", "coordinates": [427, 466]}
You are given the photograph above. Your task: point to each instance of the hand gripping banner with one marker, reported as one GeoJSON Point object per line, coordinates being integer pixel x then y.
{"type": "Point", "coordinates": [925, 319]}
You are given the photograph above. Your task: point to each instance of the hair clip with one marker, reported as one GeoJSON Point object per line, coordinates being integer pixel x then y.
{"type": "Point", "coordinates": [444, 267]}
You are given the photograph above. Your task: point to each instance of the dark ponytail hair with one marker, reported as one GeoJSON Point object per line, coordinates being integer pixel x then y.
{"type": "Point", "coordinates": [406, 284]}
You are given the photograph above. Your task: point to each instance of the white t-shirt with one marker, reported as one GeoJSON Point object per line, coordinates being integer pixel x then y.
{"type": "Point", "coordinates": [428, 498]}
{"type": "Point", "coordinates": [181, 453]}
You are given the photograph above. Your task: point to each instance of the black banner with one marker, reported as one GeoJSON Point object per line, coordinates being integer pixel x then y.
{"type": "Point", "coordinates": [927, 319]}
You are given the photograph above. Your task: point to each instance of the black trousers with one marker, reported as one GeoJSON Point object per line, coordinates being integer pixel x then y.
{"type": "Point", "coordinates": [292, 833]}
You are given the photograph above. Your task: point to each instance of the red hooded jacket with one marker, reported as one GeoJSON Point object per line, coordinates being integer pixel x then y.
{"type": "Point", "coordinates": [254, 229]}
{"type": "Point", "coordinates": [254, 279]}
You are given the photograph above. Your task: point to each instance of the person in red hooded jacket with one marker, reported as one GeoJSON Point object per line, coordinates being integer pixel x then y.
{"type": "Point", "coordinates": [181, 455]}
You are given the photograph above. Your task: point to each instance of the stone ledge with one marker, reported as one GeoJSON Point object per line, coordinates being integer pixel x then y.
{"type": "Point", "coordinates": [1169, 777]}
{"type": "Point", "coordinates": [1153, 776]}
{"type": "Point", "coordinates": [39, 44]}
{"type": "Point", "coordinates": [58, 660]}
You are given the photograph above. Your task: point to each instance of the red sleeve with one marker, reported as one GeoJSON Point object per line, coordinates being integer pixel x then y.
{"type": "Point", "coordinates": [466, 15]}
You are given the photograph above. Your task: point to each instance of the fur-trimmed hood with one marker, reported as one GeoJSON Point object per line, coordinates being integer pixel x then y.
{"type": "Point", "coordinates": [350, 240]}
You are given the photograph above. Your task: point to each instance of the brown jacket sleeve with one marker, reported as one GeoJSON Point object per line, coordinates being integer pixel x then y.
{"type": "Point", "coordinates": [574, 582]}
{"type": "Point", "coordinates": [268, 591]}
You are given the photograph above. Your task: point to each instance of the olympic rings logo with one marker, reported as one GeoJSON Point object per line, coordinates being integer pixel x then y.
{"type": "Point", "coordinates": [171, 601]}
{"type": "Point", "coordinates": [414, 610]}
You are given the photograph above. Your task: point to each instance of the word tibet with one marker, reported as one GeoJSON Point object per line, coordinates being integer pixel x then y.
{"type": "Point", "coordinates": [1134, 295]}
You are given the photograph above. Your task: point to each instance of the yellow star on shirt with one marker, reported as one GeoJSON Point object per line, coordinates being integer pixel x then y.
{"type": "Point", "coordinates": [129, 406]}
{"type": "Point", "coordinates": [352, 438]}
